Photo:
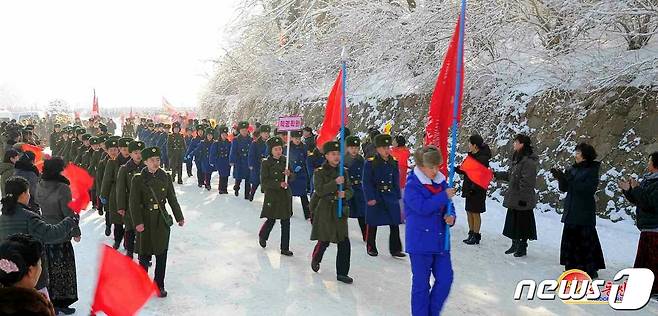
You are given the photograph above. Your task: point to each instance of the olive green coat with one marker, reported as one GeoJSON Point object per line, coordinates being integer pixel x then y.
{"type": "Point", "coordinates": [124, 178]}
{"type": "Point", "coordinates": [147, 209]}
{"type": "Point", "coordinates": [81, 153]}
{"type": "Point", "coordinates": [324, 204]}
{"type": "Point", "coordinates": [176, 148]}
{"type": "Point", "coordinates": [93, 165]}
{"type": "Point", "coordinates": [109, 190]}
{"type": "Point", "coordinates": [128, 130]}
{"type": "Point", "coordinates": [277, 203]}
{"type": "Point", "coordinates": [100, 172]}
{"type": "Point", "coordinates": [64, 149]}
{"type": "Point", "coordinates": [70, 155]}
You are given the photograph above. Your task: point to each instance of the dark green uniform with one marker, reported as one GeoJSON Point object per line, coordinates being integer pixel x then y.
{"type": "Point", "coordinates": [124, 182]}
{"type": "Point", "coordinates": [176, 150]}
{"type": "Point", "coordinates": [128, 130]}
{"type": "Point", "coordinates": [277, 202]}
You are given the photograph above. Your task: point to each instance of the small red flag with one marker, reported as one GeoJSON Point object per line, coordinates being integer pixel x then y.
{"type": "Point", "coordinates": [94, 106]}
{"type": "Point", "coordinates": [477, 172]}
{"type": "Point", "coordinates": [331, 124]}
{"type": "Point", "coordinates": [123, 286]}
{"type": "Point", "coordinates": [81, 183]}
{"type": "Point", "coordinates": [440, 116]}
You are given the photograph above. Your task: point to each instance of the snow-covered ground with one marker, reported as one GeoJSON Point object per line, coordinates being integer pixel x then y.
{"type": "Point", "coordinates": [216, 266]}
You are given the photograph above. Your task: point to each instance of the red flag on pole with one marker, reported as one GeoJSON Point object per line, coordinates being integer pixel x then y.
{"type": "Point", "coordinates": [441, 106]}
{"type": "Point", "coordinates": [331, 124]}
{"type": "Point", "coordinates": [477, 172]}
{"type": "Point", "coordinates": [80, 184]}
{"type": "Point", "coordinates": [94, 106]}
{"type": "Point", "coordinates": [123, 286]}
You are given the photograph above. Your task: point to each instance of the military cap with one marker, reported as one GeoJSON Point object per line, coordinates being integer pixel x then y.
{"type": "Point", "coordinates": [80, 131]}
{"type": "Point", "coordinates": [243, 124]}
{"type": "Point", "coordinates": [330, 146]}
{"type": "Point", "coordinates": [125, 141]}
{"type": "Point", "coordinates": [223, 129]}
{"type": "Point", "coordinates": [176, 124]}
{"type": "Point", "coordinates": [151, 124]}
{"type": "Point", "coordinates": [352, 141]}
{"type": "Point", "coordinates": [296, 134]}
{"type": "Point", "coordinates": [150, 152]}
{"type": "Point", "coordinates": [86, 136]}
{"type": "Point", "coordinates": [265, 129]}
{"type": "Point", "coordinates": [135, 145]}
{"type": "Point", "coordinates": [274, 141]}
{"type": "Point", "coordinates": [383, 140]}
{"type": "Point", "coordinates": [111, 143]}
{"type": "Point", "coordinates": [57, 125]}
{"type": "Point", "coordinates": [94, 140]}
{"type": "Point", "coordinates": [210, 131]}
{"type": "Point", "coordinates": [115, 137]}
{"type": "Point", "coordinates": [102, 139]}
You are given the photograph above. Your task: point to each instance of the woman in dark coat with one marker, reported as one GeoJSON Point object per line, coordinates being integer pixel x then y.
{"type": "Point", "coordinates": [580, 248]}
{"type": "Point", "coordinates": [644, 195]}
{"type": "Point", "coordinates": [297, 156]}
{"type": "Point", "coordinates": [25, 168]}
{"type": "Point", "coordinates": [53, 197]}
{"type": "Point", "coordinates": [475, 195]}
{"type": "Point", "coordinates": [277, 204]}
{"type": "Point", "coordinates": [520, 197]}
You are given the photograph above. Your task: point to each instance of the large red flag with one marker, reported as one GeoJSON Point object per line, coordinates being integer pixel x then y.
{"type": "Point", "coordinates": [123, 286]}
{"type": "Point", "coordinates": [81, 183]}
{"type": "Point", "coordinates": [441, 106]}
{"type": "Point", "coordinates": [477, 172]}
{"type": "Point", "coordinates": [331, 124]}
{"type": "Point", "coordinates": [38, 155]}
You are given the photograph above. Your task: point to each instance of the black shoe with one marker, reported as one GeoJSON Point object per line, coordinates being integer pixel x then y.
{"type": "Point", "coordinates": [108, 230]}
{"type": "Point", "coordinates": [180, 181]}
{"type": "Point", "coordinates": [315, 266]}
{"type": "Point", "coordinates": [512, 249]}
{"type": "Point", "coordinates": [237, 193]}
{"type": "Point", "coordinates": [373, 253]}
{"type": "Point", "coordinates": [475, 239]}
{"type": "Point", "coordinates": [262, 242]}
{"type": "Point", "coordinates": [399, 254]}
{"type": "Point", "coordinates": [163, 293]}
{"type": "Point", "coordinates": [521, 251]}
{"type": "Point", "coordinates": [470, 235]}
{"type": "Point", "coordinates": [287, 253]}
{"type": "Point", "coordinates": [200, 185]}
{"type": "Point", "coordinates": [345, 279]}
{"type": "Point", "coordinates": [208, 188]}
{"type": "Point", "coordinates": [116, 245]}
{"type": "Point", "coordinates": [100, 212]}
{"type": "Point", "coordinates": [65, 310]}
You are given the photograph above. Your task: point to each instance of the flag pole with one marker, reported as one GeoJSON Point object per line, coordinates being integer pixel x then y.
{"type": "Point", "coordinates": [455, 114]}
{"type": "Point", "coordinates": [341, 168]}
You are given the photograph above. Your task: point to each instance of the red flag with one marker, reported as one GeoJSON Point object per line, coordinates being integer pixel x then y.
{"type": "Point", "coordinates": [123, 286]}
{"type": "Point", "coordinates": [331, 124]}
{"type": "Point", "coordinates": [94, 106]}
{"type": "Point", "coordinates": [440, 114]}
{"type": "Point", "coordinates": [81, 183]}
{"type": "Point", "coordinates": [477, 172]}
{"type": "Point", "coordinates": [168, 107]}
{"type": "Point", "coordinates": [38, 155]}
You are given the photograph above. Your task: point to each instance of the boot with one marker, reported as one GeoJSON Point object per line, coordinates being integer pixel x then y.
{"type": "Point", "coordinates": [512, 249]}
{"type": "Point", "coordinates": [286, 253]}
{"type": "Point", "coordinates": [345, 279]}
{"type": "Point", "coordinates": [262, 242]}
{"type": "Point", "coordinates": [521, 251]}
{"type": "Point", "coordinates": [399, 254]}
{"type": "Point", "coordinates": [470, 236]}
{"type": "Point", "coordinates": [315, 266]}
{"type": "Point", "coordinates": [108, 230]}
{"type": "Point", "coordinates": [163, 293]}
{"type": "Point", "coordinates": [475, 239]}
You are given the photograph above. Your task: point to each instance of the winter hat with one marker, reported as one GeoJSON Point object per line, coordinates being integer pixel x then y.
{"type": "Point", "coordinates": [296, 134]}
{"type": "Point", "coordinates": [476, 140]}
{"type": "Point", "coordinates": [223, 129]}
{"type": "Point", "coordinates": [243, 125]}
{"type": "Point", "coordinates": [400, 140]}
{"type": "Point", "coordinates": [86, 136]}
{"type": "Point", "coordinates": [210, 131]}
{"type": "Point", "coordinates": [150, 152]}
{"type": "Point", "coordinates": [330, 146]}
{"type": "Point", "coordinates": [135, 145]}
{"type": "Point", "coordinates": [274, 142]}
{"type": "Point", "coordinates": [110, 143]}
{"type": "Point", "coordinates": [383, 140]}
{"type": "Point", "coordinates": [265, 129]}
{"type": "Point", "coordinates": [352, 141]}
{"type": "Point", "coordinates": [94, 140]}
{"type": "Point", "coordinates": [429, 156]}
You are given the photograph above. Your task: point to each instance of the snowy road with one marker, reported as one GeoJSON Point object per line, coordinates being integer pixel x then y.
{"type": "Point", "coordinates": [216, 266]}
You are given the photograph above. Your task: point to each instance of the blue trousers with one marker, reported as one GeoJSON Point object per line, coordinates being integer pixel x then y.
{"type": "Point", "coordinates": [426, 300]}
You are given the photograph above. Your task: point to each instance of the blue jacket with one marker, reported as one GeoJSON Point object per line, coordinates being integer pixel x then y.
{"type": "Point", "coordinates": [161, 142]}
{"type": "Point", "coordinates": [425, 227]}
{"type": "Point", "coordinates": [355, 171]}
{"type": "Point", "coordinates": [381, 182]}
{"type": "Point", "coordinates": [219, 152]}
{"type": "Point", "coordinates": [297, 162]}
{"type": "Point", "coordinates": [191, 146]}
{"type": "Point", "coordinates": [201, 155]}
{"type": "Point", "coordinates": [314, 159]}
{"type": "Point", "coordinates": [257, 151]}
{"type": "Point", "coordinates": [239, 157]}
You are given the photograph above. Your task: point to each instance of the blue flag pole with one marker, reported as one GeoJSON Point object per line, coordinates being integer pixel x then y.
{"type": "Point", "coordinates": [341, 168]}
{"type": "Point", "coordinates": [455, 110]}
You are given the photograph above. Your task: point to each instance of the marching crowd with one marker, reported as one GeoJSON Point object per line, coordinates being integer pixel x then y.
{"type": "Point", "coordinates": [134, 176]}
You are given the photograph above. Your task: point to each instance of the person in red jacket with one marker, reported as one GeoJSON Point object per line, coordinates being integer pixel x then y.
{"type": "Point", "coordinates": [401, 153]}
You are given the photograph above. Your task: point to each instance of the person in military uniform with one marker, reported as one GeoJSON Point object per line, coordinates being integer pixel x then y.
{"type": "Point", "coordinates": [98, 146]}
{"type": "Point", "coordinates": [148, 134]}
{"type": "Point", "coordinates": [257, 152]}
{"type": "Point", "coordinates": [111, 152]}
{"type": "Point", "coordinates": [55, 139]}
{"type": "Point", "coordinates": [201, 155]}
{"type": "Point", "coordinates": [188, 142]}
{"type": "Point", "coordinates": [219, 152]}
{"type": "Point", "coordinates": [82, 151]}
{"type": "Point", "coordinates": [381, 187]}
{"type": "Point", "coordinates": [314, 160]}
{"type": "Point", "coordinates": [139, 130]}
{"type": "Point", "coordinates": [278, 198]}
{"type": "Point", "coordinates": [194, 143]}
{"type": "Point", "coordinates": [108, 188]}
{"type": "Point", "coordinates": [128, 129]}
{"type": "Point", "coordinates": [298, 185]}
{"type": "Point", "coordinates": [162, 144]}
{"type": "Point", "coordinates": [76, 142]}
{"type": "Point", "coordinates": [149, 191]}
{"type": "Point", "coordinates": [176, 150]}
{"type": "Point", "coordinates": [354, 164]}
{"type": "Point", "coordinates": [123, 183]}
{"type": "Point", "coordinates": [327, 226]}
{"type": "Point", "coordinates": [239, 159]}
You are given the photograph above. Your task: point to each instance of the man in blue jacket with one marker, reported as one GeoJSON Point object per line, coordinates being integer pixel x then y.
{"type": "Point", "coordinates": [257, 151]}
{"type": "Point", "coordinates": [219, 161]}
{"type": "Point", "coordinates": [381, 187]}
{"type": "Point", "coordinates": [427, 200]}
{"type": "Point", "coordinates": [297, 160]}
{"type": "Point", "coordinates": [239, 159]}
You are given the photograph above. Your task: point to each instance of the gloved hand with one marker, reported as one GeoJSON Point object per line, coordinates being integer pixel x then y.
{"type": "Point", "coordinates": [75, 218]}
{"type": "Point", "coordinates": [298, 169]}
{"type": "Point", "coordinates": [103, 200]}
